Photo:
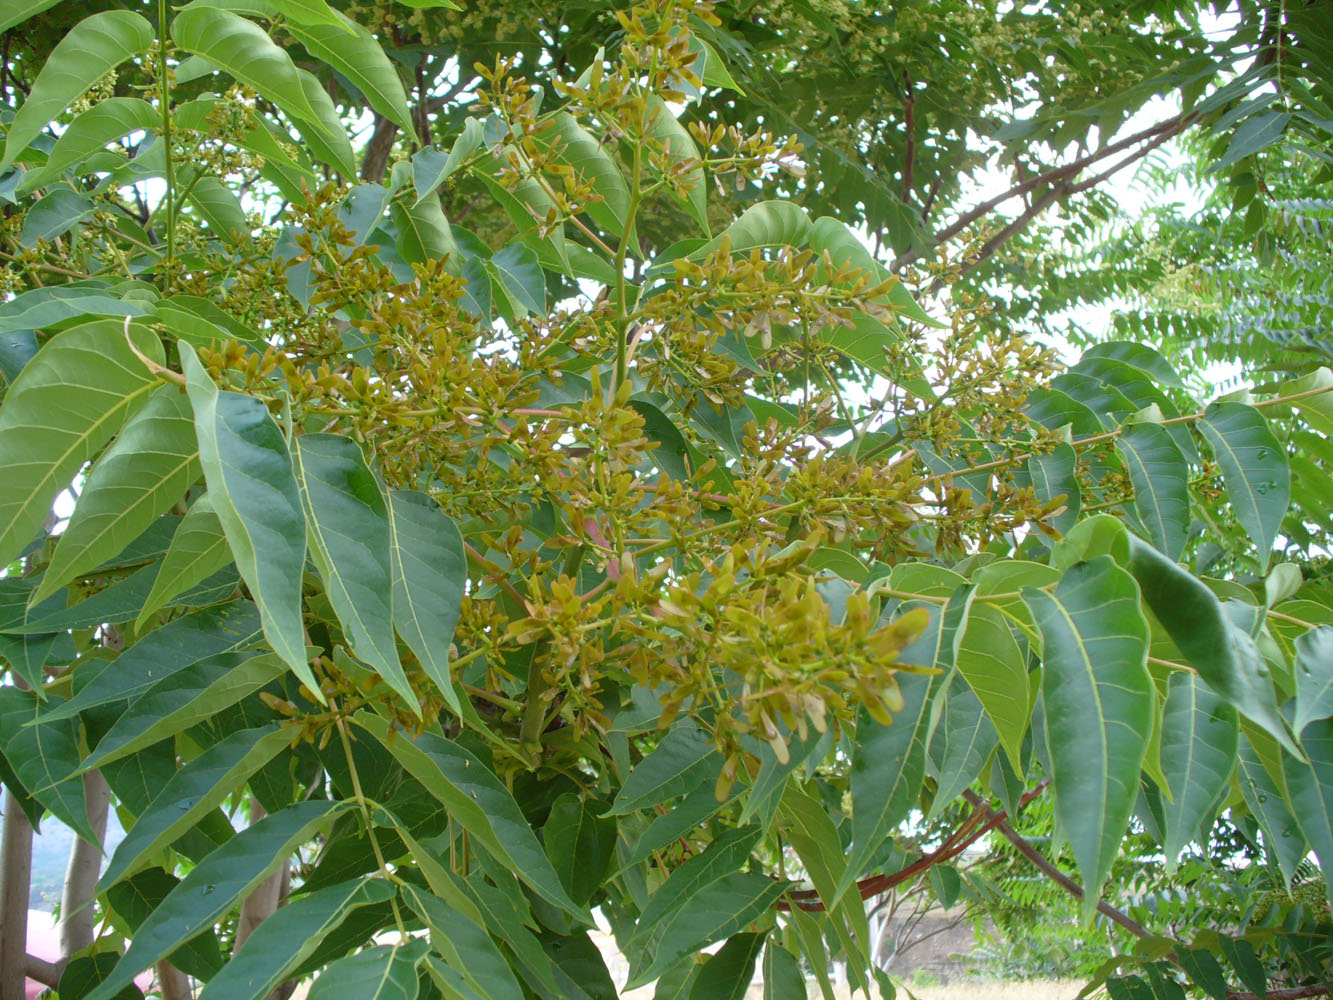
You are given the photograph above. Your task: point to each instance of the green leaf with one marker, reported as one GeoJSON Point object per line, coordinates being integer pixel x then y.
{"type": "Point", "coordinates": [479, 803]}
{"type": "Point", "coordinates": [429, 573]}
{"type": "Point", "coordinates": [1199, 743]}
{"type": "Point", "coordinates": [727, 974]}
{"type": "Point", "coordinates": [1160, 477]}
{"type": "Point", "coordinates": [1240, 953]}
{"type": "Point", "coordinates": [200, 786]}
{"type": "Point", "coordinates": [216, 203]}
{"type": "Point", "coordinates": [309, 12]}
{"type": "Point", "coordinates": [198, 550]}
{"type": "Point", "coordinates": [1146, 359]}
{"type": "Point", "coordinates": [348, 523]}
{"type": "Point", "coordinates": [174, 646]}
{"type": "Point", "coordinates": [889, 762]}
{"type": "Point", "coordinates": [382, 972]}
{"type": "Point", "coordinates": [145, 471]}
{"type": "Point", "coordinates": [1099, 702]}
{"type": "Point", "coordinates": [1314, 677]}
{"type": "Point", "coordinates": [1282, 834]}
{"type": "Point", "coordinates": [1254, 468]}
{"type": "Point", "coordinates": [1055, 475]}
{"type": "Point", "coordinates": [1310, 786]}
{"type": "Point", "coordinates": [357, 56]}
{"type": "Point", "coordinates": [465, 946]}
{"type": "Point", "coordinates": [1204, 971]}
{"type": "Point", "coordinates": [706, 899]}
{"type": "Point", "coordinates": [215, 884]}
{"type": "Point", "coordinates": [13, 12]}
{"type": "Point", "coordinates": [132, 901]}
{"type": "Point", "coordinates": [249, 474]}
{"type": "Point", "coordinates": [288, 937]}
{"type": "Point", "coordinates": [679, 764]}
{"type": "Point", "coordinates": [184, 699]}
{"type": "Point", "coordinates": [65, 404]}
{"type": "Point", "coordinates": [93, 130]}
{"type": "Point", "coordinates": [45, 755]}
{"type": "Point", "coordinates": [1253, 135]}
{"type": "Point", "coordinates": [684, 817]}
{"type": "Point", "coordinates": [432, 167]}
{"type": "Point", "coordinates": [962, 744]}
{"type": "Point", "coordinates": [201, 322]}
{"type": "Point", "coordinates": [244, 50]}
{"type": "Point", "coordinates": [1224, 656]}
{"type": "Point", "coordinates": [580, 845]}
{"type": "Point", "coordinates": [423, 233]}
{"type": "Point", "coordinates": [767, 224]}
{"type": "Point", "coordinates": [91, 49]}
{"type": "Point", "coordinates": [991, 662]}
{"type": "Point", "coordinates": [569, 143]}
{"type": "Point", "coordinates": [781, 974]}
{"type": "Point", "coordinates": [519, 281]}
{"type": "Point", "coordinates": [667, 132]}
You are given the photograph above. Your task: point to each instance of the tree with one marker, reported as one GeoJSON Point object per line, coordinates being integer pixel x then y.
{"type": "Point", "coordinates": [645, 545]}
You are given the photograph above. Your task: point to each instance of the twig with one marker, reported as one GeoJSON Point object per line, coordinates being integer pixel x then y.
{"type": "Point", "coordinates": [1056, 875]}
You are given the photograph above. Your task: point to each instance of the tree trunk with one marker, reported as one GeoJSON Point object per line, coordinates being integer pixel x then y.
{"type": "Point", "coordinates": [173, 984]}
{"type": "Point", "coordinates": [263, 900]}
{"type": "Point", "coordinates": [85, 865]}
{"type": "Point", "coordinates": [15, 882]}
{"type": "Point", "coordinates": [376, 162]}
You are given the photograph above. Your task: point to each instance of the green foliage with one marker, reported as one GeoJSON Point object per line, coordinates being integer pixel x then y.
{"type": "Point", "coordinates": [650, 549]}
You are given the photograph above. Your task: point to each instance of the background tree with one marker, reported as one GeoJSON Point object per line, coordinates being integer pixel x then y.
{"type": "Point", "coordinates": [502, 494]}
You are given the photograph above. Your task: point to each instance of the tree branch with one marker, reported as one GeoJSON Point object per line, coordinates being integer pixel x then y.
{"type": "Point", "coordinates": [44, 972]}
{"type": "Point", "coordinates": [956, 843]}
{"type": "Point", "coordinates": [1059, 877]}
{"type": "Point", "coordinates": [1154, 136]}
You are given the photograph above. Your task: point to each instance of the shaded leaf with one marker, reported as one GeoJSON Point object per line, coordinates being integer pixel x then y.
{"type": "Point", "coordinates": [216, 884]}
{"type": "Point", "coordinates": [197, 788]}
{"type": "Point", "coordinates": [478, 802]}
{"type": "Point", "coordinates": [1310, 787]}
{"type": "Point", "coordinates": [1199, 743]}
{"type": "Point", "coordinates": [429, 573]}
{"type": "Point", "coordinates": [183, 699]}
{"type": "Point", "coordinates": [198, 550]}
{"type": "Point", "coordinates": [681, 762]}
{"type": "Point", "coordinates": [727, 974]}
{"type": "Point", "coordinates": [1098, 700]}
{"type": "Point", "coordinates": [90, 50]}
{"type": "Point", "coordinates": [64, 405]}
{"type": "Point", "coordinates": [1160, 477]}
{"type": "Point", "coordinates": [1254, 468]}
{"type": "Point", "coordinates": [286, 938]}
{"type": "Point", "coordinates": [1223, 655]}
{"type": "Point", "coordinates": [1314, 676]}
{"type": "Point", "coordinates": [145, 471]}
{"type": "Point", "coordinates": [255, 495]}
{"type": "Point", "coordinates": [347, 519]}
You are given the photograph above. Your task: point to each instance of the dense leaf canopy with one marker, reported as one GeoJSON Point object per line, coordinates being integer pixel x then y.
{"type": "Point", "coordinates": [473, 473]}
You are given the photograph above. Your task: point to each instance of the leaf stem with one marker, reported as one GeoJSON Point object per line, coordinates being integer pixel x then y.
{"type": "Point", "coordinates": [361, 802]}
{"type": "Point", "coordinates": [164, 96]}
{"type": "Point", "coordinates": [622, 289]}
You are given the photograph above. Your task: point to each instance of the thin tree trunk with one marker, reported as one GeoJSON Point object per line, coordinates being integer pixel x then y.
{"type": "Point", "coordinates": [262, 902]}
{"type": "Point", "coordinates": [15, 883]}
{"type": "Point", "coordinates": [173, 984]}
{"type": "Point", "coordinates": [85, 865]}
{"type": "Point", "coordinates": [375, 164]}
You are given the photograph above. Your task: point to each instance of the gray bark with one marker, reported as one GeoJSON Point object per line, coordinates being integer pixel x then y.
{"type": "Point", "coordinates": [15, 882]}
{"type": "Point", "coordinates": [85, 865]}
